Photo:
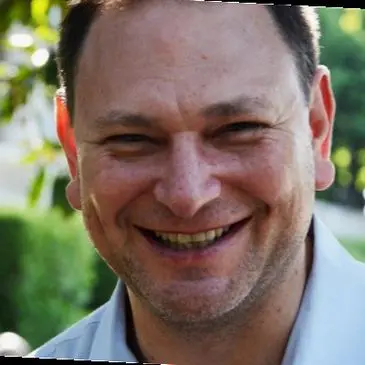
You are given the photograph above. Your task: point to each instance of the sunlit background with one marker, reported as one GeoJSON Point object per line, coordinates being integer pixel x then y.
{"type": "Point", "coordinates": [50, 275]}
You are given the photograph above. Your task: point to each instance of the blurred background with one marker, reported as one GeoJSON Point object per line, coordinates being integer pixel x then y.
{"type": "Point", "coordinates": [50, 274]}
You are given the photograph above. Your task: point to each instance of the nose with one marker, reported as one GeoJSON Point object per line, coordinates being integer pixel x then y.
{"type": "Point", "coordinates": [188, 184]}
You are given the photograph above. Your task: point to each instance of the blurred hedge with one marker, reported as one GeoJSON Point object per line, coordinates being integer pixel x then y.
{"type": "Point", "coordinates": [50, 275]}
{"type": "Point", "coordinates": [355, 247]}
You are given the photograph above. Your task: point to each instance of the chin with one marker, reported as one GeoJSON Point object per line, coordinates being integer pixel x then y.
{"type": "Point", "coordinates": [197, 303]}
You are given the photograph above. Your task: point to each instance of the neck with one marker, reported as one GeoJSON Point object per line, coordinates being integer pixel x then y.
{"type": "Point", "coordinates": [258, 336]}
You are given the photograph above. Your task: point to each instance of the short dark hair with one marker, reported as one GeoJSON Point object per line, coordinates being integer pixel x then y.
{"type": "Point", "coordinates": [298, 25]}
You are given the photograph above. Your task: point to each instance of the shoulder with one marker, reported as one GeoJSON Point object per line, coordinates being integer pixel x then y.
{"type": "Point", "coordinates": [338, 282]}
{"type": "Point", "coordinates": [337, 278]}
{"type": "Point", "coordinates": [73, 343]}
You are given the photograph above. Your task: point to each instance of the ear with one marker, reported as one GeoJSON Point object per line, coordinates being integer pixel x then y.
{"type": "Point", "coordinates": [322, 114]}
{"type": "Point", "coordinates": [66, 136]}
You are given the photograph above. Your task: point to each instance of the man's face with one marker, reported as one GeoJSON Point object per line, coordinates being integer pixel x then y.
{"type": "Point", "coordinates": [190, 120]}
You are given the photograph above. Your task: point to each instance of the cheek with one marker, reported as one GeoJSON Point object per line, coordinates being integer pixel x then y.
{"type": "Point", "coordinates": [284, 173]}
{"type": "Point", "coordinates": [271, 176]}
{"type": "Point", "coordinates": [273, 172]}
{"type": "Point", "coordinates": [112, 185]}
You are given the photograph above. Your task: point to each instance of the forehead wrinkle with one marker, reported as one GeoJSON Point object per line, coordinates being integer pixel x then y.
{"type": "Point", "coordinates": [102, 35]}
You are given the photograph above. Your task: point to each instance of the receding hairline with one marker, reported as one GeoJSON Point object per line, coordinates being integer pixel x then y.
{"type": "Point", "coordinates": [309, 19]}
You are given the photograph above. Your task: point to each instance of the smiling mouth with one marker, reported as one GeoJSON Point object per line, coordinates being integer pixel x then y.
{"type": "Point", "coordinates": [198, 241]}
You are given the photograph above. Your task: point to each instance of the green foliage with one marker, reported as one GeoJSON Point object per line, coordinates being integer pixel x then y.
{"type": "Point", "coordinates": [59, 199]}
{"type": "Point", "coordinates": [47, 273]}
{"type": "Point", "coordinates": [343, 51]}
{"type": "Point", "coordinates": [13, 229]}
{"type": "Point", "coordinates": [104, 284]}
{"type": "Point", "coordinates": [16, 86]}
{"type": "Point", "coordinates": [36, 188]}
{"type": "Point", "coordinates": [34, 15]}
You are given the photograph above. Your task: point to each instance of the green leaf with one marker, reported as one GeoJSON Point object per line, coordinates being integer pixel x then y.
{"type": "Point", "coordinates": [6, 18]}
{"type": "Point", "coordinates": [32, 157]}
{"type": "Point", "coordinates": [360, 179]}
{"type": "Point", "coordinates": [46, 34]}
{"type": "Point", "coordinates": [351, 21]}
{"type": "Point", "coordinates": [39, 10]}
{"type": "Point", "coordinates": [17, 90]}
{"type": "Point", "coordinates": [342, 157]}
{"type": "Point", "coordinates": [20, 11]}
{"type": "Point", "coordinates": [361, 157]}
{"type": "Point", "coordinates": [46, 153]}
{"type": "Point", "coordinates": [54, 146]}
{"type": "Point", "coordinates": [36, 188]}
{"type": "Point", "coordinates": [6, 108]}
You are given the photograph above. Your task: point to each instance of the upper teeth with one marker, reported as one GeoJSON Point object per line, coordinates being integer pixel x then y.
{"type": "Point", "coordinates": [193, 238]}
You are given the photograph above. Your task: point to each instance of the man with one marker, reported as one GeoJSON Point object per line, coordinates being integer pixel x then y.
{"type": "Point", "coordinates": [196, 136]}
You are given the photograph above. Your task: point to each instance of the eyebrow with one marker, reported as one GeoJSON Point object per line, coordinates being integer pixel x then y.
{"type": "Point", "coordinates": [226, 109]}
{"type": "Point", "coordinates": [120, 118]}
{"type": "Point", "coordinates": [242, 105]}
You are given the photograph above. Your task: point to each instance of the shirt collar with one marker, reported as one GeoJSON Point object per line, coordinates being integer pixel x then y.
{"type": "Point", "coordinates": [110, 338]}
{"type": "Point", "coordinates": [324, 318]}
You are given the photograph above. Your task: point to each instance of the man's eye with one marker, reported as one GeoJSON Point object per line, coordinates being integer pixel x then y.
{"type": "Point", "coordinates": [129, 138]}
{"type": "Point", "coordinates": [242, 127]}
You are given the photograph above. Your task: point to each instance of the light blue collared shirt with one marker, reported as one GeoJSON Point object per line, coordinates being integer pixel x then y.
{"type": "Point", "coordinates": [329, 329]}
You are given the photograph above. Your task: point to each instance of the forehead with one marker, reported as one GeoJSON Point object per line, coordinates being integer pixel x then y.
{"type": "Point", "coordinates": [185, 53]}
